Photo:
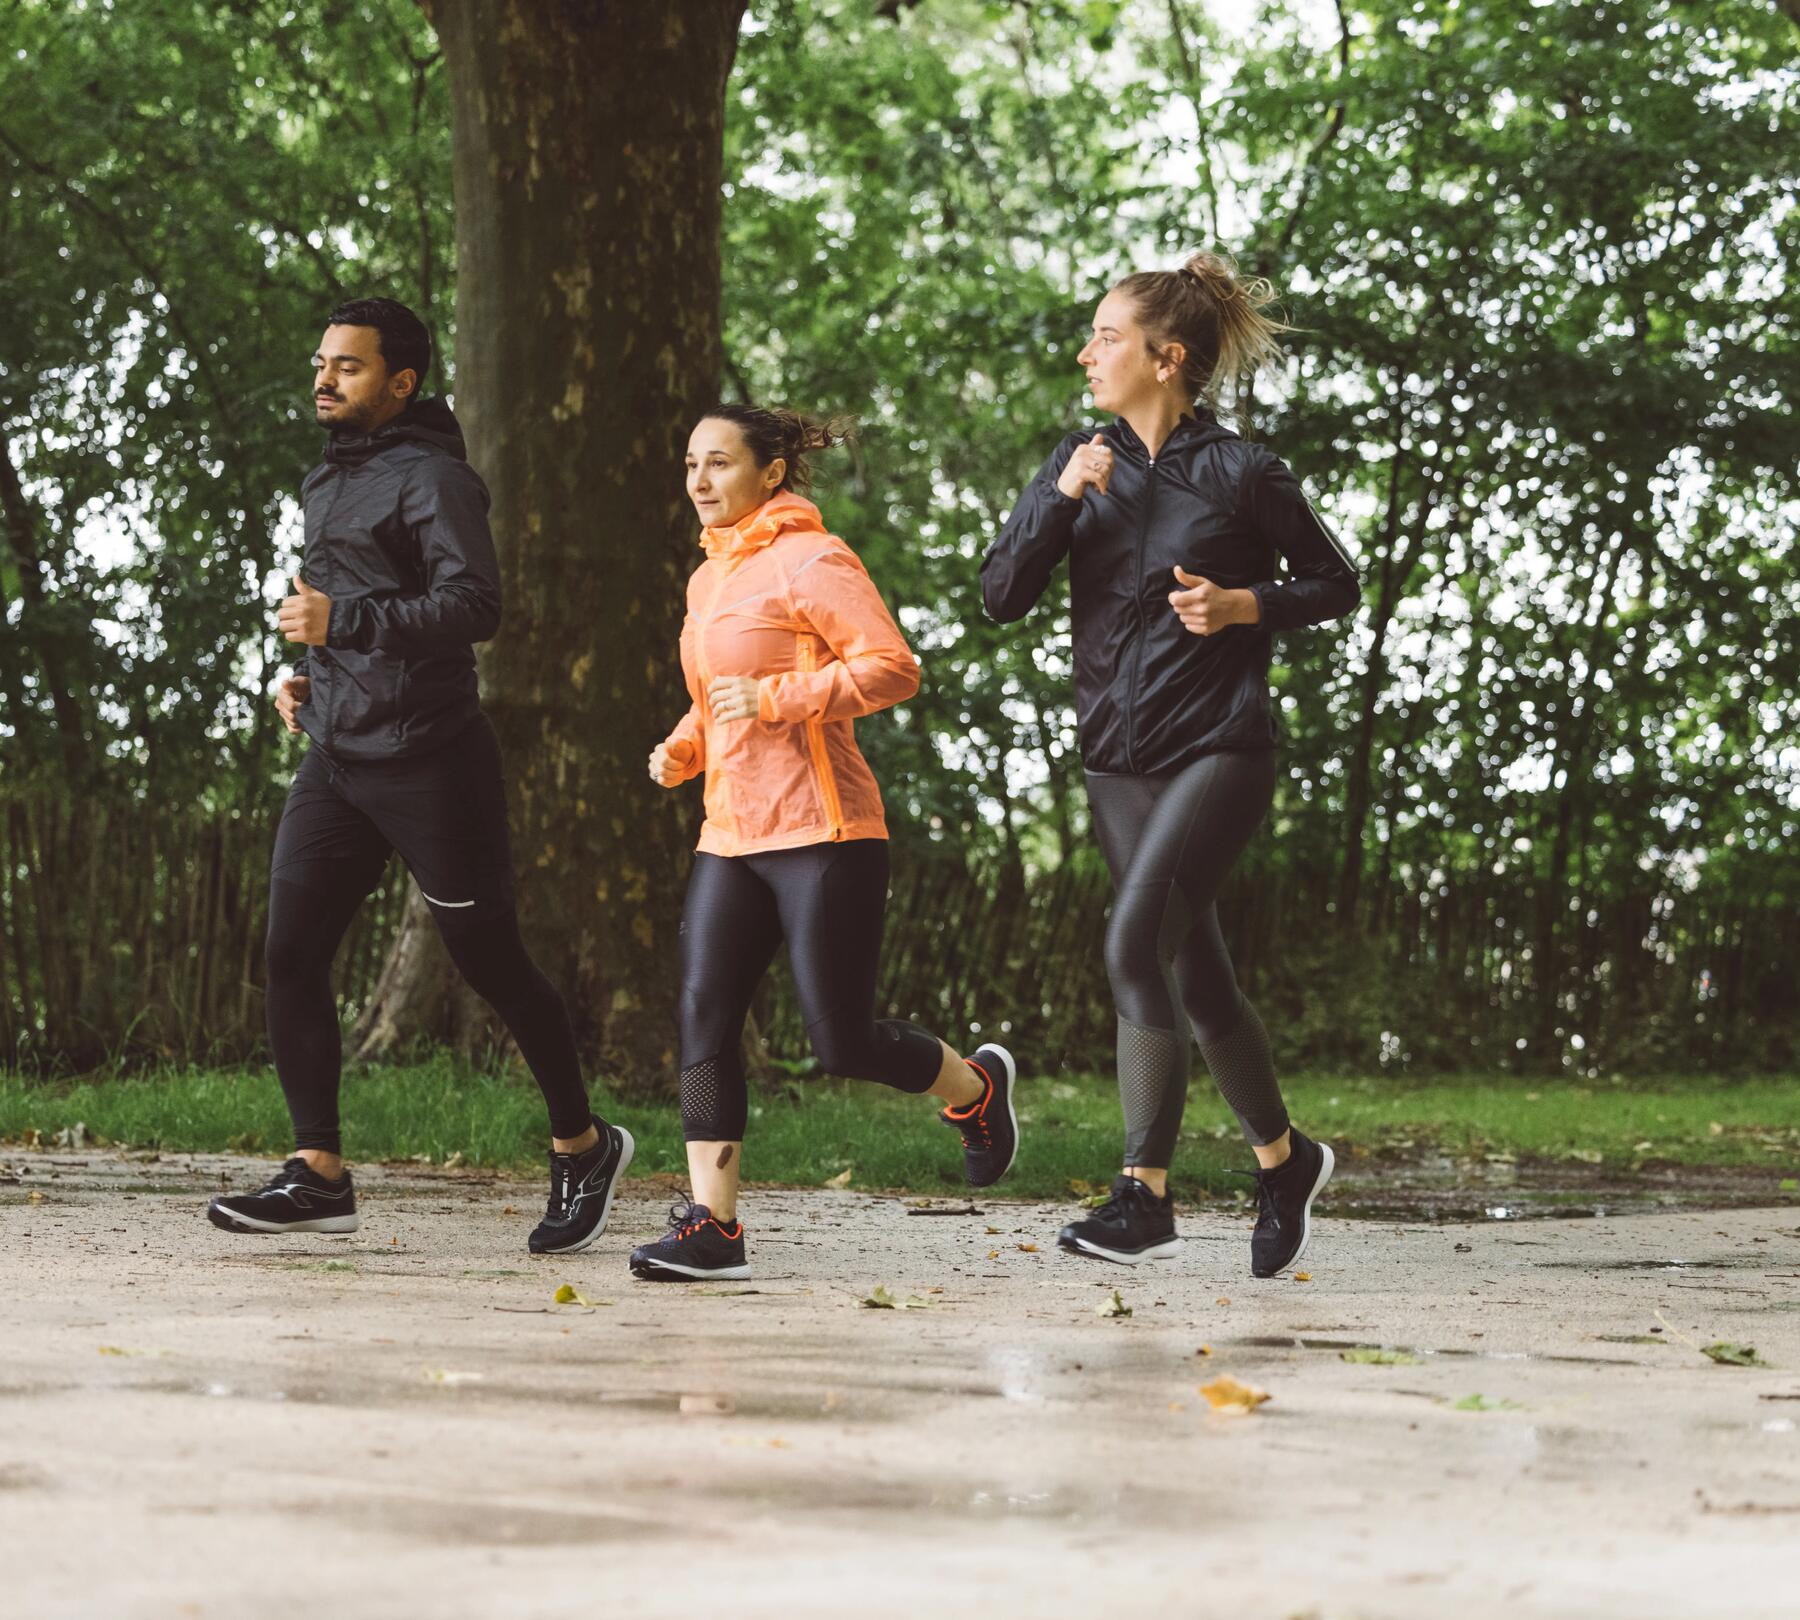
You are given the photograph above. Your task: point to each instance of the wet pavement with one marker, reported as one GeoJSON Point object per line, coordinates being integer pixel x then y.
{"type": "Point", "coordinates": [1492, 1418]}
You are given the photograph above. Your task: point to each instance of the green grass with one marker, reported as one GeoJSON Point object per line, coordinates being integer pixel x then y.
{"type": "Point", "coordinates": [814, 1130]}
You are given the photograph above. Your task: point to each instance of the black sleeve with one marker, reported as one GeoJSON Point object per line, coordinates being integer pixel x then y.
{"type": "Point", "coordinates": [1033, 540]}
{"type": "Point", "coordinates": [1323, 582]}
{"type": "Point", "coordinates": [444, 506]}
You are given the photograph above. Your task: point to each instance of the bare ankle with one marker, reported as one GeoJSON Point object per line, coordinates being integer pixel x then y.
{"type": "Point", "coordinates": [321, 1163]}
{"type": "Point", "coordinates": [1156, 1180]}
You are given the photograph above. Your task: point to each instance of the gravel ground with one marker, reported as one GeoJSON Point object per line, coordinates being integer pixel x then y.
{"type": "Point", "coordinates": [401, 1422]}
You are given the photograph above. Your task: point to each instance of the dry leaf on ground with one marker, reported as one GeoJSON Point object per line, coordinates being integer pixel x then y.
{"type": "Point", "coordinates": [1484, 1403]}
{"type": "Point", "coordinates": [568, 1295]}
{"type": "Point", "coordinates": [882, 1300]}
{"type": "Point", "coordinates": [1733, 1355]}
{"type": "Point", "coordinates": [1226, 1394]}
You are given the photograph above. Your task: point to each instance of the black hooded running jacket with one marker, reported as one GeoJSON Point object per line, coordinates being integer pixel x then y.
{"type": "Point", "coordinates": [1151, 696]}
{"type": "Point", "coordinates": [397, 536]}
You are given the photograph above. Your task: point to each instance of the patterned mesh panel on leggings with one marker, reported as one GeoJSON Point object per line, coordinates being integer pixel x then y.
{"type": "Point", "coordinates": [703, 1114]}
{"type": "Point", "coordinates": [1243, 1068]}
{"type": "Point", "coordinates": [1153, 1065]}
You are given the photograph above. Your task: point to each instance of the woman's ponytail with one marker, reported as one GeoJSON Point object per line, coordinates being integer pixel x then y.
{"type": "Point", "coordinates": [772, 431]}
{"type": "Point", "coordinates": [1214, 312]}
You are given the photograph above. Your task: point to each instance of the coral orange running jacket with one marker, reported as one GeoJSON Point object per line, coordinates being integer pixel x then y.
{"type": "Point", "coordinates": [781, 600]}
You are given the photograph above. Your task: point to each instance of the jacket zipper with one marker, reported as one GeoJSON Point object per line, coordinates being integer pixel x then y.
{"type": "Point", "coordinates": [1137, 596]}
{"type": "Point", "coordinates": [815, 741]}
{"type": "Point", "coordinates": [700, 630]}
{"type": "Point", "coordinates": [330, 584]}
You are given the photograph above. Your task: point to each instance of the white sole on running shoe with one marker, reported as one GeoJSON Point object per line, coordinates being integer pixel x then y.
{"type": "Point", "coordinates": [693, 1273]}
{"type": "Point", "coordinates": [1012, 1112]}
{"type": "Point", "coordinates": [627, 1151]}
{"type": "Point", "coordinates": [249, 1223]}
{"type": "Point", "coordinates": [1157, 1251]}
{"type": "Point", "coordinates": [1326, 1166]}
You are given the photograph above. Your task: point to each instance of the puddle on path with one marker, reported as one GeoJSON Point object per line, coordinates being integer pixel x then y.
{"type": "Point", "coordinates": [1437, 1189]}
{"type": "Point", "coordinates": [1295, 1341]}
{"type": "Point", "coordinates": [1728, 1262]}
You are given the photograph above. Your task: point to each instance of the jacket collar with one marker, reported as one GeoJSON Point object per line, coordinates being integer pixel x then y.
{"type": "Point", "coordinates": [784, 513]}
{"type": "Point", "coordinates": [426, 421]}
{"type": "Point", "coordinates": [1194, 429]}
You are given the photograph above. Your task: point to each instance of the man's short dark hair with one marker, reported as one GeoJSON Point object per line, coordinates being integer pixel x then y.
{"type": "Point", "coordinates": [401, 336]}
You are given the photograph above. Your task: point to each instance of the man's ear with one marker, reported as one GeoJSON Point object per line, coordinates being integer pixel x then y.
{"type": "Point", "coordinates": [406, 383]}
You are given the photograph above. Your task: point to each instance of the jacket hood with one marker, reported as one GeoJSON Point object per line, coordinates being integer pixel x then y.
{"type": "Point", "coordinates": [427, 421]}
{"type": "Point", "coordinates": [783, 513]}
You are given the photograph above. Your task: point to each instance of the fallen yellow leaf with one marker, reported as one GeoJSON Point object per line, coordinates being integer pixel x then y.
{"type": "Point", "coordinates": [567, 1295]}
{"type": "Point", "coordinates": [1226, 1394]}
{"type": "Point", "coordinates": [1029, 1248]}
{"type": "Point", "coordinates": [841, 1179]}
{"type": "Point", "coordinates": [1302, 1276]}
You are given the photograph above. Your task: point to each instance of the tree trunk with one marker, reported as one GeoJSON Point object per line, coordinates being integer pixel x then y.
{"type": "Point", "coordinates": [588, 147]}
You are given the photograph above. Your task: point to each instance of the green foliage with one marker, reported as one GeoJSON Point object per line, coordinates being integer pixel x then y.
{"type": "Point", "coordinates": [1538, 258]}
{"type": "Point", "coordinates": [812, 1133]}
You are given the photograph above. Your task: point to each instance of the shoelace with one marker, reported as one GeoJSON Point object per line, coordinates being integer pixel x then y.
{"type": "Point", "coordinates": [286, 1176]}
{"type": "Point", "coordinates": [977, 1122]}
{"type": "Point", "coordinates": [562, 1185]}
{"type": "Point", "coordinates": [681, 1221]}
{"type": "Point", "coordinates": [1113, 1211]}
{"type": "Point", "coordinates": [1266, 1209]}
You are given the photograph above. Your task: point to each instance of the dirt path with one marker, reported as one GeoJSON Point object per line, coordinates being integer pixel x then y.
{"type": "Point", "coordinates": [401, 1423]}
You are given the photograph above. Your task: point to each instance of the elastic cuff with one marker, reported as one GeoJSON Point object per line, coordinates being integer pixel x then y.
{"type": "Point", "coordinates": [1262, 1138]}
{"type": "Point", "coordinates": [568, 1130]}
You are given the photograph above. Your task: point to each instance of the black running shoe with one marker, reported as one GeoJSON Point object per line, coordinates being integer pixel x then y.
{"type": "Point", "coordinates": [299, 1199]}
{"type": "Point", "coordinates": [1132, 1226]}
{"type": "Point", "coordinates": [581, 1192]}
{"type": "Point", "coordinates": [695, 1247]}
{"type": "Point", "coordinates": [1284, 1205]}
{"type": "Point", "coordinates": [990, 1124]}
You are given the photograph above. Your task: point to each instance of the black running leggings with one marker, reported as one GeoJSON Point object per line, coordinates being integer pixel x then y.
{"type": "Point", "coordinates": [827, 902]}
{"type": "Point", "coordinates": [446, 815]}
{"type": "Point", "coordinates": [1169, 840]}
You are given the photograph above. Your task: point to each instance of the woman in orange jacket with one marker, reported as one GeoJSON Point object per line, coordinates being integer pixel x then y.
{"type": "Point", "coordinates": [785, 644]}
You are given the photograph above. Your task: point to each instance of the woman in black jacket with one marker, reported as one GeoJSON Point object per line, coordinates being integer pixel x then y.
{"type": "Point", "coordinates": [1173, 525]}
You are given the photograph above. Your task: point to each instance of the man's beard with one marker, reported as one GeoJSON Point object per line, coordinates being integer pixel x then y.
{"type": "Point", "coordinates": [347, 423]}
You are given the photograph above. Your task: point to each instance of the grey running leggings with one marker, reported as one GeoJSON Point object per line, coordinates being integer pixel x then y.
{"type": "Point", "coordinates": [1169, 840]}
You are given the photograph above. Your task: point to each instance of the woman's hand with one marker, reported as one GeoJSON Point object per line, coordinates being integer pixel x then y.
{"type": "Point", "coordinates": [1089, 468]}
{"type": "Point", "coordinates": [734, 697]}
{"type": "Point", "coordinates": [1205, 608]}
{"type": "Point", "coordinates": [665, 769]}
{"type": "Point", "coordinates": [305, 616]}
{"type": "Point", "coordinates": [295, 691]}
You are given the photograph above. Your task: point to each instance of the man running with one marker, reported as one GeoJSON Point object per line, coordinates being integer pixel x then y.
{"type": "Point", "coordinates": [398, 582]}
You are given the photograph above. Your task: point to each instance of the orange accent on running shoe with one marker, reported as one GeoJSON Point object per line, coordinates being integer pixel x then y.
{"type": "Point", "coordinates": [979, 1106]}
